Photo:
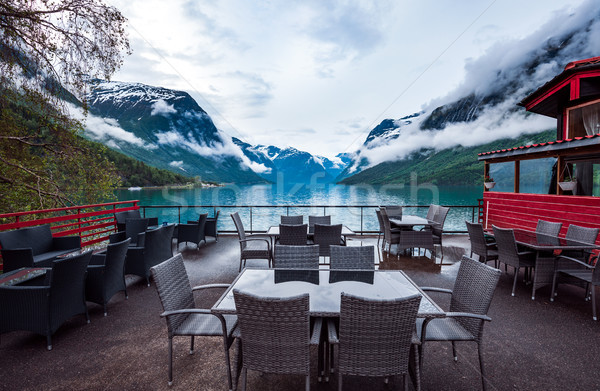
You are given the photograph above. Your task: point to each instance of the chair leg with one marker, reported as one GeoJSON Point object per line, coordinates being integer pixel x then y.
{"type": "Point", "coordinates": [49, 342]}
{"type": "Point", "coordinates": [594, 303]}
{"type": "Point", "coordinates": [240, 265]}
{"type": "Point", "coordinates": [339, 381]}
{"type": "Point", "coordinates": [104, 305]}
{"type": "Point", "coordinates": [515, 280]}
{"type": "Point", "coordinates": [483, 381]}
{"type": "Point", "coordinates": [454, 352]}
{"type": "Point", "coordinates": [554, 281]}
{"type": "Point", "coordinates": [244, 374]}
{"type": "Point", "coordinates": [192, 344]}
{"type": "Point", "coordinates": [307, 382]}
{"type": "Point", "coordinates": [170, 361]}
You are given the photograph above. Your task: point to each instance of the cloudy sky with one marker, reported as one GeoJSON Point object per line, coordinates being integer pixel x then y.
{"type": "Point", "coordinates": [317, 75]}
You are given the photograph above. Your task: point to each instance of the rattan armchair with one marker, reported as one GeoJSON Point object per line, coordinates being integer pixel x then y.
{"type": "Point", "coordinates": [251, 246]}
{"type": "Point", "coordinates": [296, 257]}
{"type": "Point", "coordinates": [352, 257]}
{"type": "Point", "coordinates": [327, 235]}
{"type": "Point", "coordinates": [509, 254]}
{"type": "Point", "coordinates": [135, 229]}
{"type": "Point", "coordinates": [580, 271]}
{"type": "Point", "coordinates": [182, 316]}
{"type": "Point", "coordinates": [157, 248]}
{"type": "Point", "coordinates": [469, 303]}
{"type": "Point", "coordinates": [43, 309]}
{"type": "Point", "coordinates": [276, 335]}
{"type": "Point", "coordinates": [210, 228]}
{"type": "Point", "coordinates": [548, 228]}
{"type": "Point", "coordinates": [193, 231]}
{"type": "Point", "coordinates": [292, 220]}
{"type": "Point", "coordinates": [293, 235]}
{"type": "Point", "coordinates": [486, 251]}
{"type": "Point", "coordinates": [105, 274]}
{"type": "Point", "coordinates": [121, 219]}
{"type": "Point", "coordinates": [323, 220]}
{"type": "Point", "coordinates": [376, 337]}
{"type": "Point", "coordinates": [390, 236]}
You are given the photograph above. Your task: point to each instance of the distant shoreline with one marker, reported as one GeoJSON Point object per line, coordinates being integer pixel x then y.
{"type": "Point", "coordinates": [188, 186]}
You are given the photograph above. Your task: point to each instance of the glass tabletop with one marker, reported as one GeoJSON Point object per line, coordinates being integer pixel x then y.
{"type": "Point", "coordinates": [410, 220]}
{"type": "Point", "coordinates": [274, 230]}
{"type": "Point", "coordinates": [325, 288]}
{"type": "Point", "coordinates": [540, 241]}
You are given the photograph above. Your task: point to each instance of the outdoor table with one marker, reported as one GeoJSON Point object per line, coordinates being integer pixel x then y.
{"type": "Point", "coordinates": [543, 245]}
{"type": "Point", "coordinates": [408, 221]}
{"type": "Point", "coordinates": [22, 275]}
{"type": "Point", "coordinates": [273, 232]}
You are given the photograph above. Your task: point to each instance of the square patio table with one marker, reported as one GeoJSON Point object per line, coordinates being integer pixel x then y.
{"type": "Point", "coordinates": [22, 275]}
{"type": "Point", "coordinates": [408, 221]}
{"type": "Point", "coordinates": [546, 244]}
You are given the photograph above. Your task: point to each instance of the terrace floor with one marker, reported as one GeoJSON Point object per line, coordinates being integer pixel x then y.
{"type": "Point", "coordinates": [528, 345]}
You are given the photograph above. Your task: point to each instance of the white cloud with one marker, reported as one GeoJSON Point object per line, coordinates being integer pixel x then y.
{"type": "Point", "coordinates": [177, 164]}
{"type": "Point", "coordinates": [161, 107]}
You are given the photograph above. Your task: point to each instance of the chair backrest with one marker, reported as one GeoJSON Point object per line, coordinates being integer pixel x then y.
{"type": "Point", "coordinates": [134, 227]}
{"type": "Point", "coordinates": [67, 287]}
{"type": "Point", "coordinates": [217, 214]}
{"type": "Point", "coordinates": [394, 211]}
{"type": "Point", "coordinates": [582, 234]}
{"type": "Point", "coordinates": [326, 235]}
{"type": "Point", "coordinates": [239, 226]}
{"type": "Point", "coordinates": [440, 219]}
{"type": "Point", "coordinates": [352, 257]}
{"type": "Point", "coordinates": [507, 246]}
{"type": "Point", "coordinates": [201, 224]}
{"type": "Point", "coordinates": [157, 246]}
{"type": "Point", "coordinates": [323, 220]}
{"type": "Point", "coordinates": [114, 262]}
{"type": "Point", "coordinates": [548, 228]}
{"type": "Point", "coordinates": [432, 211]}
{"type": "Point", "coordinates": [380, 220]}
{"type": "Point", "coordinates": [275, 332]}
{"type": "Point", "coordinates": [293, 235]}
{"type": "Point", "coordinates": [292, 220]}
{"type": "Point", "coordinates": [174, 289]}
{"type": "Point", "coordinates": [38, 238]}
{"type": "Point", "coordinates": [387, 228]}
{"type": "Point", "coordinates": [387, 325]}
{"type": "Point", "coordinates": [477, 239]}
{"type": "Point", "coordinates": [473, 292]}
{"type": "Point", "coordinates": [121, 217]}
{"type": "Point", "coordinates": [296, 257]}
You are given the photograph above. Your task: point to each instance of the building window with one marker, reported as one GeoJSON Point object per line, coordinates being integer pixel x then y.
{"type": "Point", "coordinates": [535, 176]}
{"type": "Point", "coordinates": [504, 176]}
{"type": "Point", "coordinates": [583, 120]}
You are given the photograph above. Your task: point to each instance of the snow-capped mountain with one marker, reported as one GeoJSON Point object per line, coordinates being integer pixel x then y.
{"type": "Point", "coordinates": [293, 166]}
{"type": "Point", "coordinates": [484, 108]}
{"type": "Point", "coordinates": [166, 129]}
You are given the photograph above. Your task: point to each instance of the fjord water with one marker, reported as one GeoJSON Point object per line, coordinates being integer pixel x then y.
{"type": "Point", "coordinates": [315, 199]}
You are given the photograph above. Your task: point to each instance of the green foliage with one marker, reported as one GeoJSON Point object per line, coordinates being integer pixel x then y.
{"type": "Point", "coordinates": [454, 166]}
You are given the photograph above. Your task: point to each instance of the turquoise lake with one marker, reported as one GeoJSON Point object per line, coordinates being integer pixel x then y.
{"type": "Point", "coordinates": [316, 200]}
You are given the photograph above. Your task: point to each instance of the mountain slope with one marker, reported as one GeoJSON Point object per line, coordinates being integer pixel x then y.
{"type": "Point", "coordinates": [166, 129]}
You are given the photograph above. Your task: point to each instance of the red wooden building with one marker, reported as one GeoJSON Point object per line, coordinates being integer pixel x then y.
{"type": "Point", "coordinates": [558, 180]}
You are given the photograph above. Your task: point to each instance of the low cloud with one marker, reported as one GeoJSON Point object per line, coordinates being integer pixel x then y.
{"type": "Point", "coordinates": [161, 107]}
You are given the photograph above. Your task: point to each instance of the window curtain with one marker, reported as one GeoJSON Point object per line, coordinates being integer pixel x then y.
{"type": "Point", "coordinates": [591, 119]}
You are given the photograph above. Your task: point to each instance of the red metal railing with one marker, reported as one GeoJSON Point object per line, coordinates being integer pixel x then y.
{"type": "Point", "coordinates": [93, 223]}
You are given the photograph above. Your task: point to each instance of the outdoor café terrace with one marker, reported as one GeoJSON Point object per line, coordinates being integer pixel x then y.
{"type": "Point", "coordinates": [529, 344]}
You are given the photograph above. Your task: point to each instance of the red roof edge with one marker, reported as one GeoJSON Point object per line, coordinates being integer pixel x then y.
{"type": "Point", "coordinates": [587, 61]}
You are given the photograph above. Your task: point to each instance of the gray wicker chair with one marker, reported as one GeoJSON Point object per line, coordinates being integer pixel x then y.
{"type": "Point", "coordinates": [292, 220]}
{"type": "Point", "coordinates": [509, 254]}
{"type": "Point", "coordinates": [390, 236]}
{"type": "Point", "coordinates": [193, 231]}
{"type": "Point", "coordinates": [432, 211]}
{"type": "Point", "coordinates": [548, 228]}
{"type": "Point", "coordinates": [182, 316]}
{"type": "Point", "coordinates": [135, 228]}
{"type": "Point", "coordinates": [251, 246]}
{"type": "Point", "coordinates": [121, 218]}
{"type": "Point", "coordinates": [376, 337]}
{"type": "Point", "coordinates": [469, 303]}
{"type": "Point", "coordinates": [293, 235]}
{"type": "Point", "coordinates": [105, 274]}
{"type": "Point", "coordinates": [578, 270]}
{"type": "Point", "coordinates": [580, 234]}
{"type": "Point", "coordinates": [323, 220]}
{"type": "Point", "coordinates": [485, 250]}
{"type": "Point", "coordinates": [352, 257]}
{"type": "Point", "coordinates": [43, 309]}
{"type": "Point", "coordinates": [296, 257]}
{"type": "Point", "coordinates": [210, 228]}
{"type": "Point", "coordinates": [327, 235]}
{"type": "Point", "coordinates": [437, 229]}
{"type": "Point", "coordinates": [157, 248]}
{"type": "Point", "coordinates": [393, 211]}
{"type": "Point", "coordinates": [276, 335]}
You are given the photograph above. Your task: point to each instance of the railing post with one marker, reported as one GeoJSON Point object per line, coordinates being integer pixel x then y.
{"type": "Point", "coordinates": [179, 214]}
{"type": "Point", "coordinates": [361, 222]}
{"type": "Point", "coordinates": [251, 229]}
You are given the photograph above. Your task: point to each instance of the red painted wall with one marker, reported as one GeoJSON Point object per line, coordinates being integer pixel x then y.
{"type": "Point", "coordinates": [520, 210]}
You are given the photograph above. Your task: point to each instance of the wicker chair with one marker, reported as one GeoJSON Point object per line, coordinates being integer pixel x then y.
{"type": "Point", "coordinates": [432, 211]}
{"type": "Point", "coordinates": [390, 236]}
{"type": "Point", "coordinates": [376, 337]}
{"type": "Point", "coordinates": [437, 229]}
{"type": "Point", "coordinates": [509, 254]}
{"type": "Point", "coordinates": [327, 235]}
{"type": "Point", "coordinates": [105, 274]}
{"type": "Point", "coordinates": [193, 231]}
{"type": "Point", "coordinates": [43, 309]}
{"type": "Point", "coordinates": [323, 220]}
{"type": "Point", "coordinates": [580, 234]}
{"type": "Point", "coordinates": [182, 316]}
{"type": "Point", "coordinates": [548, 228]}
{"type": "Point", "coordinates": [135, 228]}
{"type": "Point", "coordinates": [275, 334]}
{"type": "Point", "coordinates": [251, 246]}
{"type": "Point", "coordinates": [486, 251]}
{"type": "Point", "coordinates": [393, 211]}
{"type": "Point", "coordinates": [156, 249]}
{"type": "Point", "coordinates": [469, 303]}
{"type": "Point", "coordinates": [121, 219]}
{"type": "Point", "coordinates": [580, 271]}
{"type": "Point", "coordinates": [293, 235]}
{"type": "Point", "coordinates": [292, 220]}
{"type": "Point", "coordinates": [210, 228]}
{"type": "Point", "coordinates": [352, 257]}
{"type": "Point", "coordinates": [296, 257]}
